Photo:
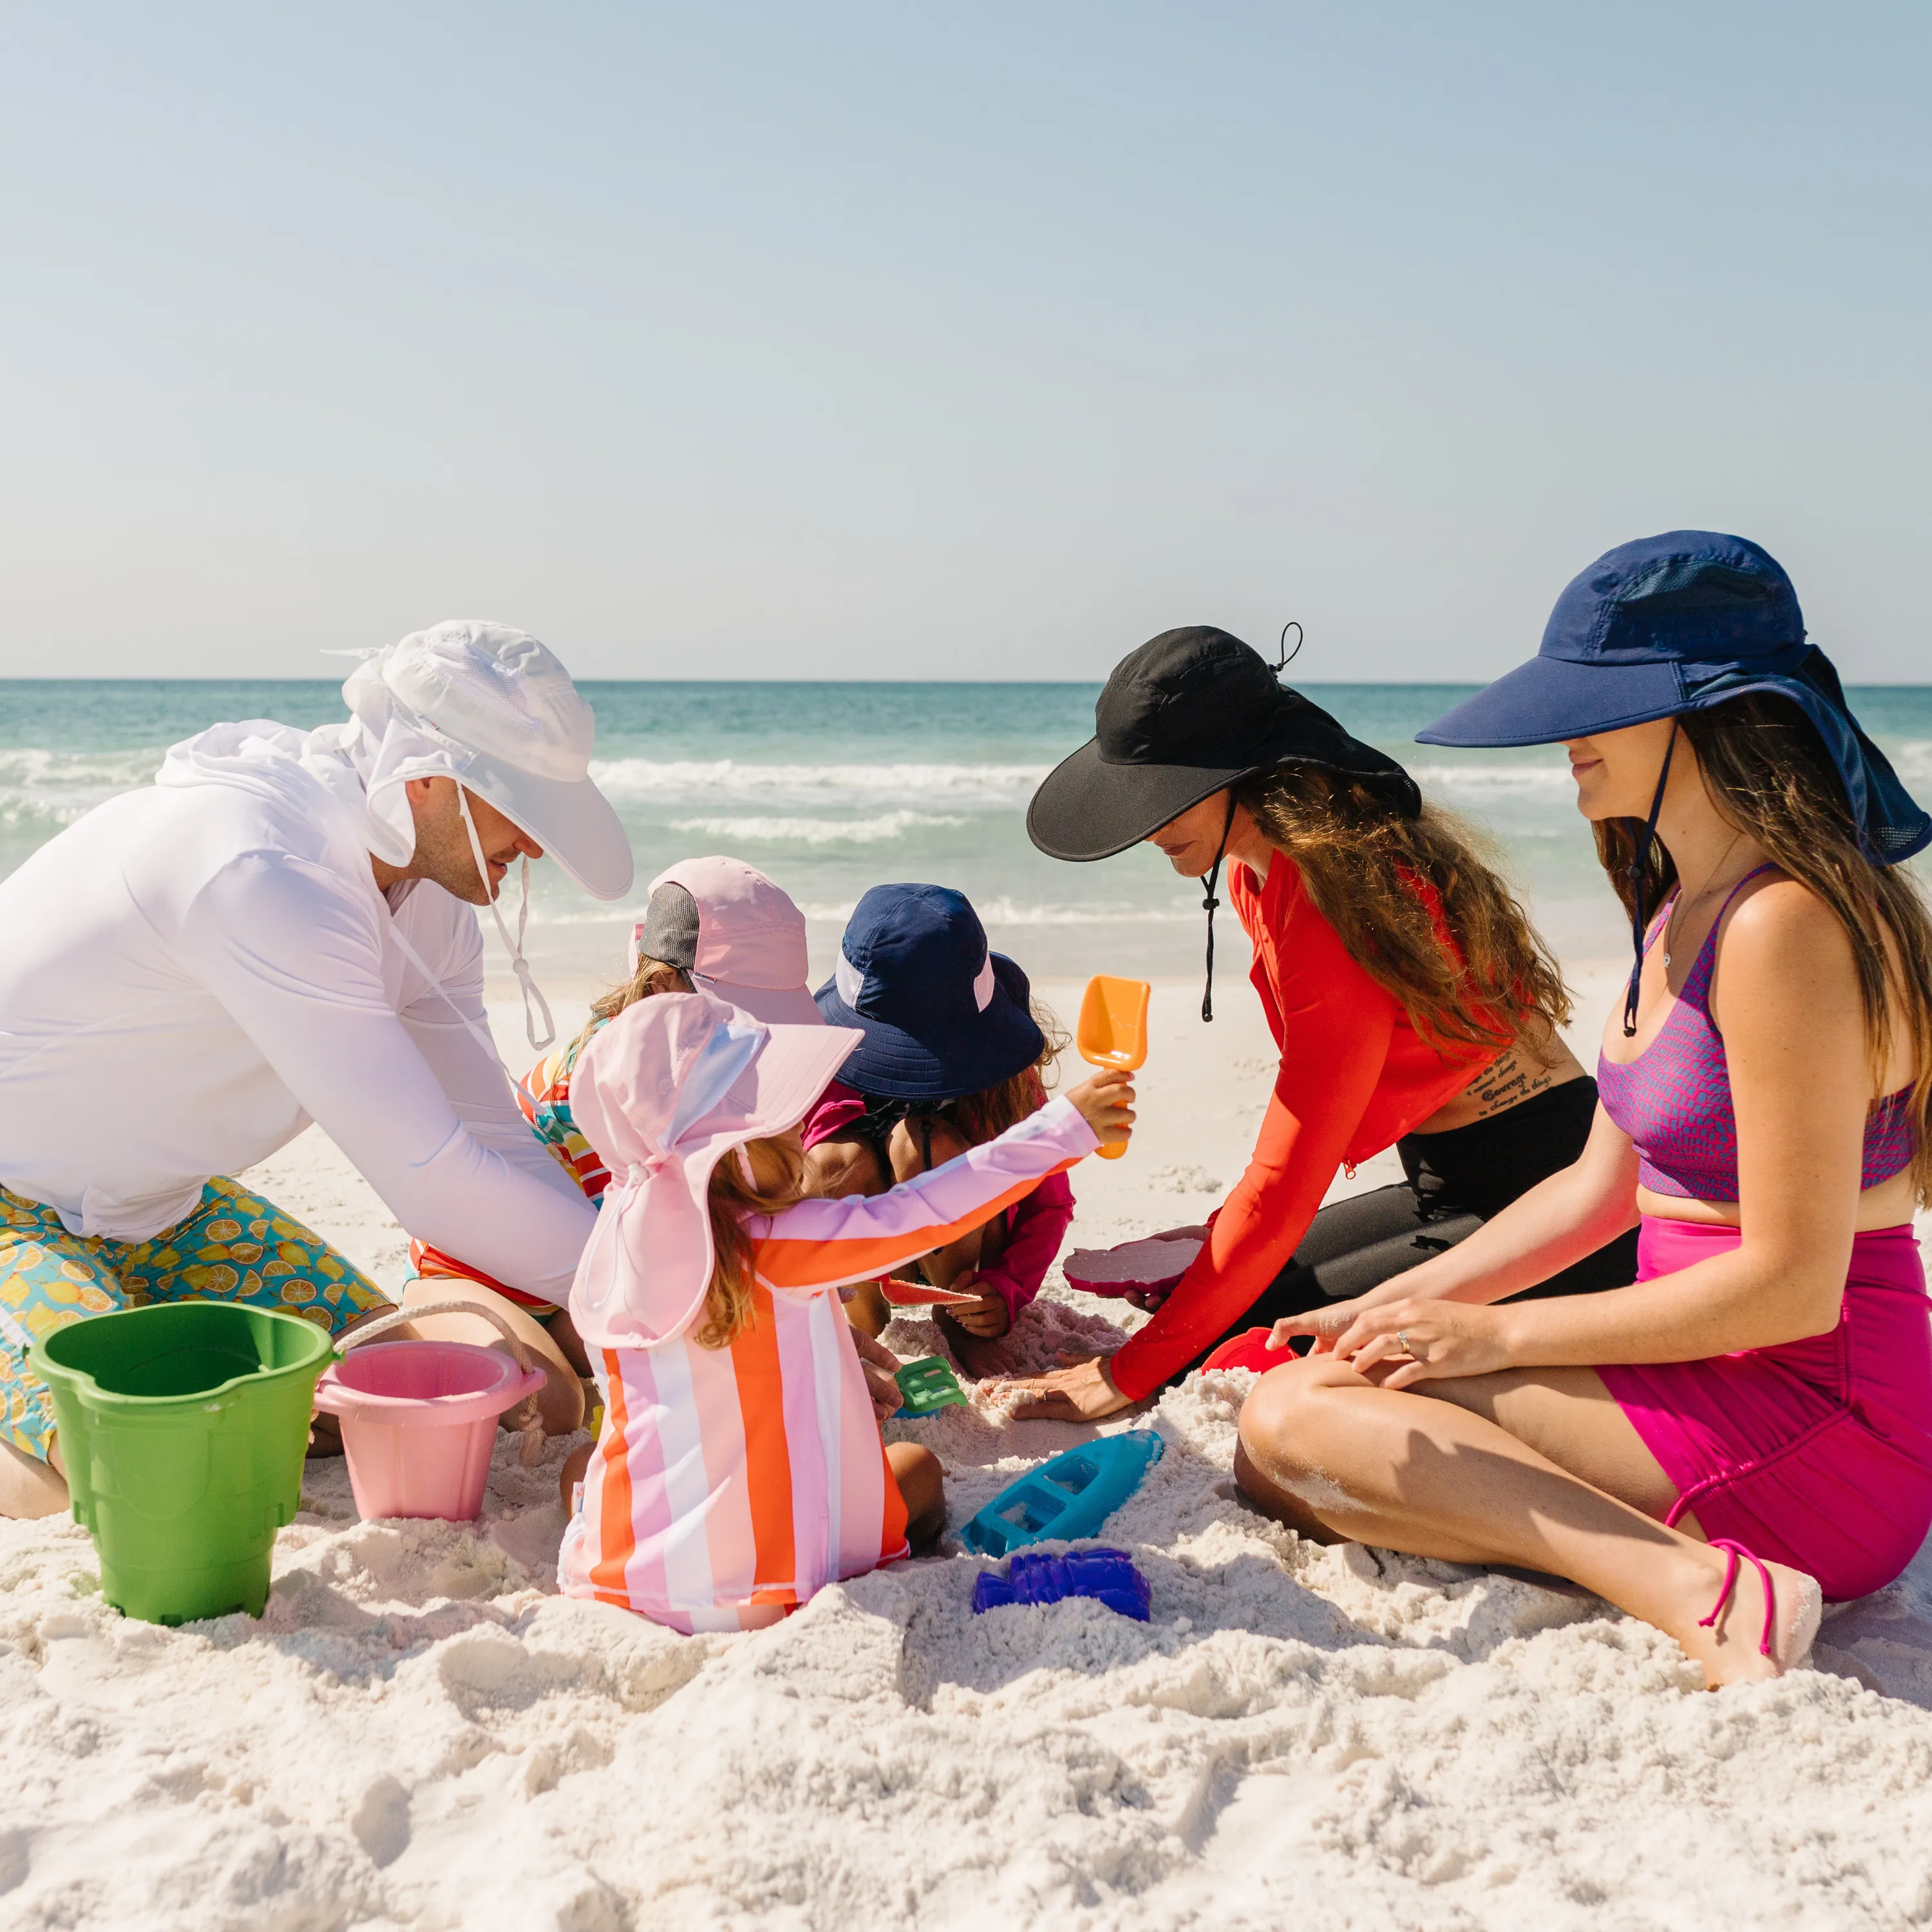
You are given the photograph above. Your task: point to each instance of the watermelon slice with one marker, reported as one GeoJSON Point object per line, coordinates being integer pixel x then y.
{"type": "Point", "coordinates": [1133, 1267]}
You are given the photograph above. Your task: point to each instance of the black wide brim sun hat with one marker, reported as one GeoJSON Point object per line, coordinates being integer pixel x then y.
{"type": "Point", "coordinates": [1681, 622]}
{"type": "Point", "coordinates": [1191, 712]}
{"type": "Point", "coordinates": [942, 1014]}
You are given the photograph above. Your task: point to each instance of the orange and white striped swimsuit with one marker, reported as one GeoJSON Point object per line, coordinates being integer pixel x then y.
{"type": "Point", "coordinates": [729, 1485]}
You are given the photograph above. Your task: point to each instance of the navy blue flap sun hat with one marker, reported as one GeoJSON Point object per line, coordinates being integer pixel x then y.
{"type": "Point", "coordinates": [942, 1015]}
{"type": "Point", "coordinates": [1680, 622]}
{"type": "Point", "coordinates": [1675, 623]}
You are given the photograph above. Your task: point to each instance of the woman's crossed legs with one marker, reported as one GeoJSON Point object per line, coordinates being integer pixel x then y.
{"type": "Point", "coordinates": [1538, 1468]}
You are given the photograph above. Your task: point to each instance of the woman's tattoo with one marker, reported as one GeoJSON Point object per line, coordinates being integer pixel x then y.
{"type": "Point", "coordinates": [1507, 1082]}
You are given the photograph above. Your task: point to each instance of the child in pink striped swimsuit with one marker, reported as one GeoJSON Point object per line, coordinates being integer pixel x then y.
{"type": "Point", "coordinates": [740, 1468]}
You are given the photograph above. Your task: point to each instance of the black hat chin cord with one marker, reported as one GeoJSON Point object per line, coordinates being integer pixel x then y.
{"type": "Point", "coordinates": [1209, 902]}
{"type": "Point", "coordinates": [1638, 866]}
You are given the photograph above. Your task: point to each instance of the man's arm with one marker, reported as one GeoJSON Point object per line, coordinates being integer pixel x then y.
{"type": "Point", "coordinates": [293, 952]}
{"type": "Point", "coordinates": [444, 931]}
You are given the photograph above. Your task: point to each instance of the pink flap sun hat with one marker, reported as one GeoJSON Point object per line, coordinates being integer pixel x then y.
{"type": "Point", "coordinates": [664, 1092]}
{"type": "Point", "coordinates": [736, 935]}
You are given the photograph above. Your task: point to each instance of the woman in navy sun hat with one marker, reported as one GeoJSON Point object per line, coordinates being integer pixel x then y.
{"type": "Point", "coordinates": [1748, 1427]}
{"type": "Point", "coordinates": [953, 1055]}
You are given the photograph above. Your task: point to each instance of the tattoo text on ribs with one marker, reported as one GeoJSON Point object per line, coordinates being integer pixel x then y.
{"type": "Point", "coordinates": [1509, 1082]}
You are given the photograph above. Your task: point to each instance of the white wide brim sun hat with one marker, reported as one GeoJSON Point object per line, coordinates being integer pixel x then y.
{"type": "Point", "coordinates": [492, 708]}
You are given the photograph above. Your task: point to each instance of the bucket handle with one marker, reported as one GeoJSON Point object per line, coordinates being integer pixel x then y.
{"type": "Point", "coordinates": [523, 1418]}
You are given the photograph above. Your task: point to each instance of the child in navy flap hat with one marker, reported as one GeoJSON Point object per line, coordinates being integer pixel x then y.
{"type": "Point", "coordinates": [952, 1053]}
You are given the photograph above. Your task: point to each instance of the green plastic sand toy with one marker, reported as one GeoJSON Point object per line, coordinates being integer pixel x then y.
{"type": "Point", "coordinates": [185, 1425]}
{"type": "Point", "coordinates": [927, 1386]}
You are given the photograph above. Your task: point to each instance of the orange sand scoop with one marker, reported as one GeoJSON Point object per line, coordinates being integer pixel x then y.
{"type": "Point", "coordinates": [1112, 1031]}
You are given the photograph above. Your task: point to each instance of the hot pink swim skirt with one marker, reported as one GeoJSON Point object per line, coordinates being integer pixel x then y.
{"type": "Point", "coordinates": [1817, 1453]}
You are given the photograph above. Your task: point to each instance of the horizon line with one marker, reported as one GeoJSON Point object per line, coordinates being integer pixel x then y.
{"type": "Point", "coordinates": [939, 683]}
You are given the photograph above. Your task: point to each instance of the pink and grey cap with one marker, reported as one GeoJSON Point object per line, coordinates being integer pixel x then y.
{"type": "Point", "coordinates": [737, 935]}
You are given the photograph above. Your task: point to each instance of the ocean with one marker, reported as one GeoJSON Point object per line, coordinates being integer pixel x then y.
{"type": "Point", "coordinates": [833, 787]}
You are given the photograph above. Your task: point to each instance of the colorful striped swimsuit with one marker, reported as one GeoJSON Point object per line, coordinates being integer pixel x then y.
{"type": "Point", "coordinates": [729, 1485]}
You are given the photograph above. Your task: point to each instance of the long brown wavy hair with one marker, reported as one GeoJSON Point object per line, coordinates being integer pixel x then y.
{"type": "Point", "coordinates": [1766, 771]}
{"type": "Point", "coordinates": [1371, 870]}
{"type": "Point", "coordinates": [776, 1181]}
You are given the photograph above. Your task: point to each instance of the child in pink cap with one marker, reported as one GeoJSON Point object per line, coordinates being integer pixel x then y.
{"type": "Point", "coordinates": [740, 1468]}
{"type": "Point", "coordinates": [712, 925]}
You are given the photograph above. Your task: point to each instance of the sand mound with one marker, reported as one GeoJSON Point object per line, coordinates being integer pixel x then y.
{"type": "Point", "coordinates": [421, 1733]}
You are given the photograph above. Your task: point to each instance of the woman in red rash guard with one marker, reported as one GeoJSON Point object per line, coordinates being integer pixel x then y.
{"type": "Point", "coordinates": [1413, 1004]}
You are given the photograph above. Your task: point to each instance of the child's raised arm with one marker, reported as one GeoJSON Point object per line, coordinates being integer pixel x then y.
{"type": "Point", "coordinates": [819, 1244]}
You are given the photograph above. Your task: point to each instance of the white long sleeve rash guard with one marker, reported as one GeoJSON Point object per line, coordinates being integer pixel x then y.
{"type": "Point", "coordinates": [193, 973]}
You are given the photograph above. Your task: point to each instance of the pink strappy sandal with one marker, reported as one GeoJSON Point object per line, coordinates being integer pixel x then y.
{"type": "Point", "coordinates": [1804, 1615]}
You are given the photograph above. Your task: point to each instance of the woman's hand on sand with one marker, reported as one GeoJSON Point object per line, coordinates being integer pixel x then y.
{"type": "Point", "coordinates": [988, 1316]}
{"type": "Point", "coordinates": [1084, 1393]}
{"type": "Point", "coordinates": [1106, 1104]}
{"type": "Point", "coordinates": [880, 1367]}
{"type": "Point", "coordinates": [1399, 1343]}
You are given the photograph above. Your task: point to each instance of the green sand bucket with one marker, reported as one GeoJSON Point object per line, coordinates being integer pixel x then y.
{"type": "Point", "coordinates": [183, 1425]}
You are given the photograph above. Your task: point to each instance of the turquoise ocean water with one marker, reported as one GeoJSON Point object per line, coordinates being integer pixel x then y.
{"type": "Point", "coordinates": [833, 787]}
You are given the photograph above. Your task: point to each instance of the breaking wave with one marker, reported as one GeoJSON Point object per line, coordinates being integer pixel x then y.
{"type": "Point", "coordinates": [816, 831]}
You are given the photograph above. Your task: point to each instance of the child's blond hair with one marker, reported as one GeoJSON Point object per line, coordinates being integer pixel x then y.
{"type": "Point", "coordinates": [736, 1193]}
{"type": "Point", "coordinates": [651, 976]}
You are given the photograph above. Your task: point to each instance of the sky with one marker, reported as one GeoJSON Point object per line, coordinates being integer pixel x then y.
{"type": "Point", "coordinates": [846, 340]}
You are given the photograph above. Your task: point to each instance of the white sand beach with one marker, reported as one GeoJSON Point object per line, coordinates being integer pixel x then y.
{"type": "Point", "coordinates": [421, 1733]}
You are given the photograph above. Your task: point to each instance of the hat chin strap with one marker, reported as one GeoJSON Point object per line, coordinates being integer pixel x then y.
{"type": "Point", "coordinates": [1209, 902]}
{"type": "Point", "coordinates": [1639, 915]}
{"type": "Point", "coordinates": [514, 947]}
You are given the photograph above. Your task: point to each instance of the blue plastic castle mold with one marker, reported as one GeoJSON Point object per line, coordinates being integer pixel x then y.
{"type": "Point", "coordinates": [1067, 1498]}
{"type": "Point", "coordinates": [1108, 1576]}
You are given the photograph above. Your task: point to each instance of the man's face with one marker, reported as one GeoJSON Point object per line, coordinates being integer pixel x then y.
{"type": "Point", "coordinates": [443, 854]}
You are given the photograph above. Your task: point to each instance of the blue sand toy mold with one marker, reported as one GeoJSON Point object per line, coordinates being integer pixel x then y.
{"type": "Point", "coordinates": [1067, 1499]}
{"type": "Point", "coordinates": [1109, 1575]}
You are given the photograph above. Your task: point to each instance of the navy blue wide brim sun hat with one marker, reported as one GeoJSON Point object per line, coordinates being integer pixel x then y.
{"type": "Point", "coordinates": [1681, 622]}
{"type": "Point", "coordinates": [942, 1014]}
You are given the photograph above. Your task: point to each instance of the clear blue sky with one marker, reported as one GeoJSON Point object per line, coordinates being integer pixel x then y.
{"type": "Point", "coordinates": [865, 340]}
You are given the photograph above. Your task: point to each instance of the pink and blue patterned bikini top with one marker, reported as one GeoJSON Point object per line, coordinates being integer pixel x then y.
{"type": "Point", "coordinates": [1674, 1099]}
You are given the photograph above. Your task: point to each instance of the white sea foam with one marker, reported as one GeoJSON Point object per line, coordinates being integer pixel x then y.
{"type": "Point", "coordinates": [627, 779]}
{"type": "Point", "coordinates": [761, 831]}
{"type": "Point", "coordinates": [993, 912]}
{"type": "Point", "coordinates": [42, 790]}
{"type": "Point", "coordinates": [1003, 912]}
{"type": "Point", "coordinates": [1540, 778]}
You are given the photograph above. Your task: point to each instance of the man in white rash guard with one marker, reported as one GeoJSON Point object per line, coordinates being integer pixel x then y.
{"type": "Point", "coordinates": [281, 929]}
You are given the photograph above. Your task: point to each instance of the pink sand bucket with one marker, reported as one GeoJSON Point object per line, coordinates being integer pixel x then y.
{"type": "Point", "coordinates": [419, 1418]}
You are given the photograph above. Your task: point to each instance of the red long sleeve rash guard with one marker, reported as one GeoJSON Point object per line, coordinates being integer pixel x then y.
{"type": "Point", "coordinates": [1355, 1077]}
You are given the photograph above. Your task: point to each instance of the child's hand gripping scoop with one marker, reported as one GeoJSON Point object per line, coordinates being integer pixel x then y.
{"type": "Point", "coordinates": [1112, 1031]}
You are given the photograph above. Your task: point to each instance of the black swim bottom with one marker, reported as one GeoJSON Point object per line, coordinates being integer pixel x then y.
{"type": "Point", "coordinates": [1454, 1182]}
